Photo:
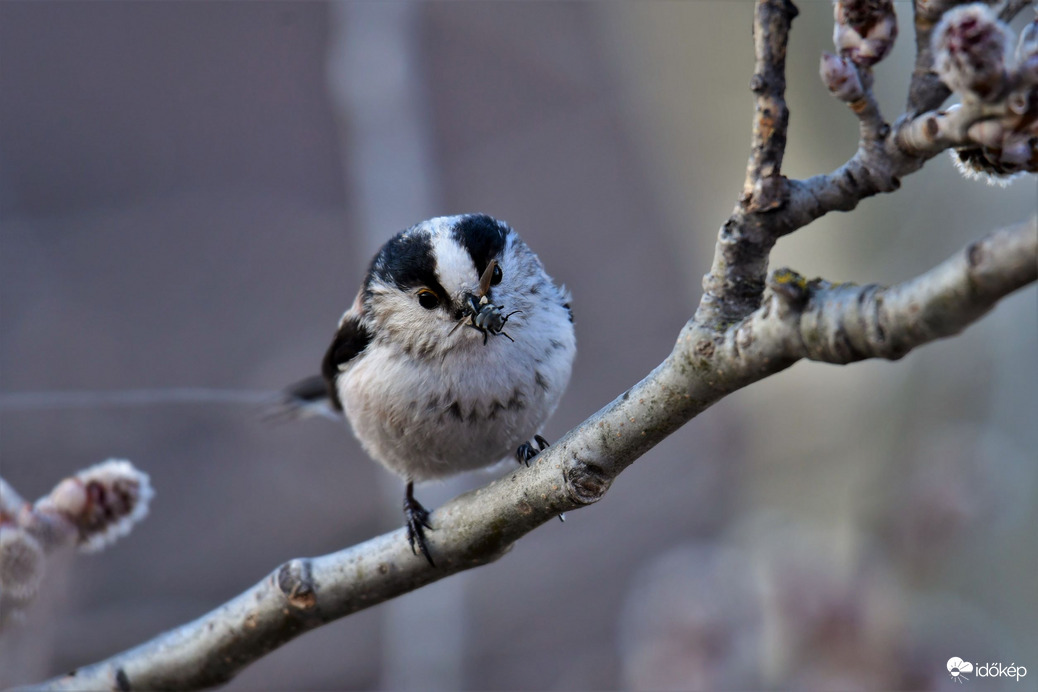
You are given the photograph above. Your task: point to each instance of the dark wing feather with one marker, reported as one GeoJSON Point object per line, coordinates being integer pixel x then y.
{"type": "Point", "coordinates": [351, 338]}
{"type": "Point", "coordinates": [303, 399]}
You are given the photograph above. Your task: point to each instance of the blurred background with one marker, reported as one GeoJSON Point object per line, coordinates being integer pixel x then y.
{"type": "Point", "coordinates": [190, 193]}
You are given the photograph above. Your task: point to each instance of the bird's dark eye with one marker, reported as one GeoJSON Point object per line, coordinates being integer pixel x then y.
{"type": "Point", "coordinates": [427, 299]}
{"type": "Point", "coordinates": [495, 278]}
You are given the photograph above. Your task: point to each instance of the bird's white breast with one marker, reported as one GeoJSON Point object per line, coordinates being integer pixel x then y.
{"type": "Point", "coordinates": [473, 405]}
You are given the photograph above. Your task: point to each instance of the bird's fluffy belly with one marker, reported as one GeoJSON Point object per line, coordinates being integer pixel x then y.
{"type": "Point", "coordinates": [409, 417]}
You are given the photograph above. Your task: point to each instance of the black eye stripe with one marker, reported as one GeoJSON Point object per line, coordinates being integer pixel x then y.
{"type": "Point", "coordinates": [407, 261]}
{"type": "Point", "coordinates": [482, 236]}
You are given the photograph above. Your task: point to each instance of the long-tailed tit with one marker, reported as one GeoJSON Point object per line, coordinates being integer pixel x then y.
{"type": "Point", "coordinates": [454, 354]}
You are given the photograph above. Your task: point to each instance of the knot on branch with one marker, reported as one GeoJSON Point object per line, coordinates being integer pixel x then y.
{"type": "Point", "coordinates": [768, 194]}
{"type": "Point", "coordinates": [789, 286]}
{"type": "Point", "coordinates": [295, 581]}
{"type": "Point", "coordinates": [586, 483]}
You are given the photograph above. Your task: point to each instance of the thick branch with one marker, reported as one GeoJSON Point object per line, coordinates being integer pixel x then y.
{"type": "Point", "coordinates": [843, 323]}
{"type": "Point", "coordinates": [801, 319]}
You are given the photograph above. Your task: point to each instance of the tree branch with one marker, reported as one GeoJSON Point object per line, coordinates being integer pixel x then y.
{"type": "Point", "coordinates": [843, 323]}
{"type": "Point", "coordinates": [925, 91]}
{"type": "Point", "coordinates": [772, 22]}
{"type": "Point", "coordinates": [800, 319]}
{"type": "Point", "coordinates": [1011, 8]}
{"type": "Point", "coordinates": [734, 285]}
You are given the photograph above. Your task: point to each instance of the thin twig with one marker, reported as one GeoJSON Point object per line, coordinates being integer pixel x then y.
{"type": "Point", "coordinates": [772, 20]}
{"type": "Point", "coordinates": [735, 283]}
{"type": "Point", "coordinates": [1011, 8]}
{"type": "Point", "coordinates": [872, 127]}
{"type": "Point", "coordinates": [925, 91]}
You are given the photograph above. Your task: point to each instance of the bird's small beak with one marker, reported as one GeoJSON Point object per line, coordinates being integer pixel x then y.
{"type": "Point", "coordinates": [488, 276]}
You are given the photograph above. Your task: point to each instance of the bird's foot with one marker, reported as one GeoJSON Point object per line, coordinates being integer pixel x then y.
{"type": "Point", "coordinates": [417, 518]}
{"type": "Point", "coordinates": [527, 451]}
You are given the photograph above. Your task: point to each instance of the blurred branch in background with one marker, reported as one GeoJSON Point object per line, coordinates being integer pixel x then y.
{"type": "Point", "coordinates": [28, 401]}
{"type": "Point", "coordinates": [748, 327]}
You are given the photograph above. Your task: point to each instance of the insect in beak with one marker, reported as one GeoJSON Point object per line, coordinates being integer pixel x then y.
{"type": "Point", "coordinates": [480, 313]}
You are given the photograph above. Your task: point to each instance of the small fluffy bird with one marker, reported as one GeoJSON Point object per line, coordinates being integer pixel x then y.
{"type": "Point", "coordinates": [454, 354]}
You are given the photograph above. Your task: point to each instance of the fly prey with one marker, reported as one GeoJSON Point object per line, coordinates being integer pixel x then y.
{"type": "Point", "coordinates": [481, 314]}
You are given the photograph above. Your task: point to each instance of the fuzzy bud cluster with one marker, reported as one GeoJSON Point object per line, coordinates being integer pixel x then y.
{"type": "Point", "coordinates": [25, 538]}
{"type": "Point", "coordinates": [103, 502]}
{"type": "Point", "coordinates": [865, 30]}
{"type": "Point", "coordinates": [972, 56]}
{"type": "Point", "coordinates": [21, 565]}
{"type": "Point", "coordinates": [971, 49]}
{"type": "Point", "coordinates": [840, 76]}
{"type": "Point", "coordinates": [89, 510]}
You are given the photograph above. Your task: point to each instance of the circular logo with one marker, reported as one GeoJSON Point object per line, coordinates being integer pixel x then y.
{"type": "Point", "coordinates": [957, 667]}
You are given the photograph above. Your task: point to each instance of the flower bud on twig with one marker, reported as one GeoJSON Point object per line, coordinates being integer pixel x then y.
{"type": "Point", "coordinates": [865, 30]}
{"type": "Point", "coordinates": [840, 76]}
{"type": "Point", "coordinates": [103, 502]}
{"type": "Point", "coordinates": [970, 48]}
{"type": "Point", "coordinates": [21, 565]}
{"type": "Point", "coordinates": [1006, 144]}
